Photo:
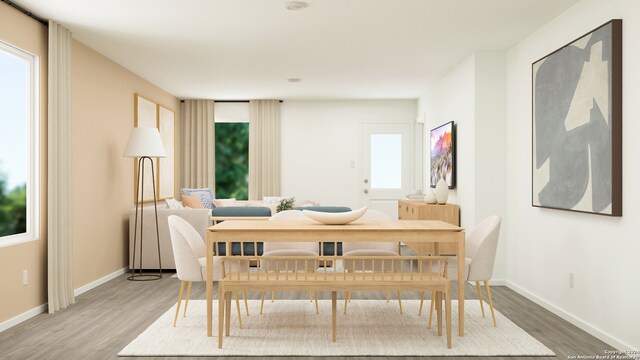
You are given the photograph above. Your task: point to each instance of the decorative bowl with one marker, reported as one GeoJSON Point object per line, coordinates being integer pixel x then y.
{"type": "Point", "coordinates": [335, 218]}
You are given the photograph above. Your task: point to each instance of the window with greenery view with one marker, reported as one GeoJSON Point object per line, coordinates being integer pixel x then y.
{"type": "Point", "coordinates": [232, 160]}
{"type": "Point", "coordinates": [18, 145]}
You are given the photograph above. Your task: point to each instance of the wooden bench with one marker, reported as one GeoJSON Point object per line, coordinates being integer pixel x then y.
{"type": "Point", "coordinates": [359, 273]}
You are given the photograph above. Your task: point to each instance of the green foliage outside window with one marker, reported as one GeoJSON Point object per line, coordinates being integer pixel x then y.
{"type": "Point", "coordinates": [13, 208]}
{"type": "Point", "coordinates": [232, 160]}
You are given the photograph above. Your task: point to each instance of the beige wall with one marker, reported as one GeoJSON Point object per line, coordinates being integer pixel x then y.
{"type": "Point", "coordinates": [31, 36]}
{"type": "Point", "coordinates": [102, 101]}
{"type": "Point", "coordinates": [103, 97]}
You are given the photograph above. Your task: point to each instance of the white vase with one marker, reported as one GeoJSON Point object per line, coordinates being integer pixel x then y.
{"type": "Point", "coordinates": [442, 191]}
{"type": "Point", "coordinates": [430, 197]}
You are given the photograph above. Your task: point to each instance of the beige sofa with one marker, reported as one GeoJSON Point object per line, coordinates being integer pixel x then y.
{"type": "Point", "coordinates": [198, 218]}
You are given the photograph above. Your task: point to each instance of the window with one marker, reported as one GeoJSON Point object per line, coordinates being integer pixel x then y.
{"type": "Point", "coordinates": [19, 144]}
{"type": "Point", "coordinates": [232, 160]}
{"type": "Point", "coordinates": [232, 150]}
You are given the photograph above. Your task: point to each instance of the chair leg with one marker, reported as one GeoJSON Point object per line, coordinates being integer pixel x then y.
{"type": "Point", "coordinates": [387, 294]}
{"type": "Point", "coordinates": [221, 316]}
{"type": "Point", "coordinates": [346, 301]}
{"type": "Point", "coordinates": [439, 311]}
{"type": "Point", "coordinates": [273, 295]}
{"type": "Point", "coordinates": [400, 302]}
{"type": "Point", "coordinates": [315, 297]}
{"type": "Point", "coordinates": [227, 313]}
{"type": "Point", "coordinates": [179, 301]}
{"type": "Point", "coordinates": [447, 305]}
{"type": "Point", "coordinates": [246, 304]}
{"type": "Point", "coordinates": [186, 303]}
{"type": "Point", "coordinates": [333, 315]}
{"type": "Point", "coordinates": [310, 296]}
{"type": "Point", "coordinates": [421, 302]}
{"type": "Point", "coordinates": [261, 302]}
{"type": "Point", "coordinates": [238, 309]}
{"type": "Point", "coordinates": [433, 304]}
{"type": "Point", "coordinates": [493, 315]}
{"type": "Point", "coordinates": [480, 297]}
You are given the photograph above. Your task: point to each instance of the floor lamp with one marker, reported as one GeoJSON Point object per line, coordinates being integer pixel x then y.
{"type": "Point", "coordinates": [144, 143]}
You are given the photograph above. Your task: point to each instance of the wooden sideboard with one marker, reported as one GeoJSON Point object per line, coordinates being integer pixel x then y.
{"type": "Point", "coordinates": [420, 210]}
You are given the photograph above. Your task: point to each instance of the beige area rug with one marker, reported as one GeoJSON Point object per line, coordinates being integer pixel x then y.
{"type": "Point", "coordinates": [371, 327]}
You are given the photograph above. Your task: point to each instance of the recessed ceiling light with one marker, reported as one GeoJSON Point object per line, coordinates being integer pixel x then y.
{"type": "Point", "coordinates": [296, 5]}
{"type": "Point", "coordinates": [294, 80]}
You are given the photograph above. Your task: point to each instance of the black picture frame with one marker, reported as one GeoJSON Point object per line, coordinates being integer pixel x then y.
{"type": "Point", "coordinates": [437, 159]}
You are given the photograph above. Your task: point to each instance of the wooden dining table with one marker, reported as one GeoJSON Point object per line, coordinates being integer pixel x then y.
{"type": "Point", "coordinates": [408, 231]}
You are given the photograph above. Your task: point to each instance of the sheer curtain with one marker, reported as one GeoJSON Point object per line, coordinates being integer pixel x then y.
{"type": "Point", "coordinates": [264, 148]}
{"type": "Point", "coordinates": [59, 234]}
{"type": "Point", "coordinates": [198, 144]}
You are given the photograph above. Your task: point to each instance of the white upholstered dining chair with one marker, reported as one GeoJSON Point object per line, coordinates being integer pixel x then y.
{"type": "Point", "coordinates": [288, 249]}
{"type": "Point", "coordinates": [369, 249]}
{"type": "Point", "coordinates": [481, 245]}
{"type": "Point", "coordinates": [189, 251]}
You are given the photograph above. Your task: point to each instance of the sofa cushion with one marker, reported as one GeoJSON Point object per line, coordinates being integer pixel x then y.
{"type": "Point", "coordinates": [205, 195]}
{"type": "Point", "coordinates": [241, 211]}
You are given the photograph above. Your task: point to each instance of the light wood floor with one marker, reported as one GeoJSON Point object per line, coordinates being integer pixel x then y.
{"type": "Point", "coordinates": [104, 320]}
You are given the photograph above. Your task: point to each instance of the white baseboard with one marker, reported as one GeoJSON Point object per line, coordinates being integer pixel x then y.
{"type": "Point", "coordinates": [102, 280]}
{"type": "Point", "coordinates": [23, 317]}
{"type": "Point", "coordinates": [591, 329]}
{"type": "Point", "coordinates": [497, 282]}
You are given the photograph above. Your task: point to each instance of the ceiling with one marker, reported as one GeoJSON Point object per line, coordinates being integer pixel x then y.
{"type": "Point", "coordinates": [246, 49]}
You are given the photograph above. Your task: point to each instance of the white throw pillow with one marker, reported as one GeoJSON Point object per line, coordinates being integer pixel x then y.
{"type": "Point", "coordinates": [173, 204]}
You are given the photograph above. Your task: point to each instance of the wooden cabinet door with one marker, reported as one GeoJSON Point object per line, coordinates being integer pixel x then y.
{"type": "Point", "coordinates": [418, 210]}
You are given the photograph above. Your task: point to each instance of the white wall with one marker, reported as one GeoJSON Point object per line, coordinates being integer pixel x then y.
{"type": "Point", "coordinates": [453, 99]}
{"type": "Point", "coordinates": [473, 95]}
{"type": "Point", "coordinates": [546, 245]}
{"type": "Point", "coordinates": [320, 138]}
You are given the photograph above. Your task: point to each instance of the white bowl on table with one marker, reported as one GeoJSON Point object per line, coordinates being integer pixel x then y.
{"type": "Point", "coordinates": [341, 218]}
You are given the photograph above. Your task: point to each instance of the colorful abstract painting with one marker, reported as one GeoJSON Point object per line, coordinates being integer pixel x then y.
{"type": "Point", "coordinates": [443, 155]}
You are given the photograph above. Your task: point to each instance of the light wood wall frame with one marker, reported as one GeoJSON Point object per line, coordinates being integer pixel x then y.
{"type": "Point", "coordinates": [166, 169]}
{"type": "Point", "coordinates": [145, 115]}
{"type": "Point", "coordinates": [148, 113]}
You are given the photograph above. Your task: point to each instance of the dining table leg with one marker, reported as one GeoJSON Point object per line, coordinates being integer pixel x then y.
{"type": "Point", "coordinates": [461, 281]}
{"type": "Point", "coordinates": [210, 285]}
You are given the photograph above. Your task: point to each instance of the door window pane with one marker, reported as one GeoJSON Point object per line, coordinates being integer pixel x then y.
{"type": "Point", "coordinates": [386, 161]}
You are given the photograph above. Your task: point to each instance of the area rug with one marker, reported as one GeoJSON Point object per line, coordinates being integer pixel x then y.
{"type": "Point", "coordinates": [370, 328]}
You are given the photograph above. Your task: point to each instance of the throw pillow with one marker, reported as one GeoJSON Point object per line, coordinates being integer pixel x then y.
{"type": "Point", "coordinates": [225, 202]}
{"type": "Point", "coordinates": [192, 202]}
{"type": "Point", "coordinates": [205, 195]}
{"type": "Point", "coordinates": [173, 204]}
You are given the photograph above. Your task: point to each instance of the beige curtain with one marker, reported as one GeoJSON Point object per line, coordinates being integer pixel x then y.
{"type": "Point", "coordinates": [59, 235]}
{"type": "Point", "coordinates": [264, 148]}
{"type": "Point", "coordinates": [198, 144]}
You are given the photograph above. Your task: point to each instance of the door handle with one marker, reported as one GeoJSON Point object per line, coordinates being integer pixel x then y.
{"type": "Point", "coordinates": [366, 191]}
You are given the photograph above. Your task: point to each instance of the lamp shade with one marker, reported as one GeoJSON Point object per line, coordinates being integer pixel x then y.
{"type": "Point", "coordinates": [144, 141]}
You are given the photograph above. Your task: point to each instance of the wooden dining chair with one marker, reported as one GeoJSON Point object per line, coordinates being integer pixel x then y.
{"type": "Point", "coordinates": [370, 249]}
{"type": "Point", "coordinates": [288, 249]}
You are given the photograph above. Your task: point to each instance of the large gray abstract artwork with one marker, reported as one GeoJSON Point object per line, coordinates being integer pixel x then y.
{"type": "Point", "coordinates": [577, 124]}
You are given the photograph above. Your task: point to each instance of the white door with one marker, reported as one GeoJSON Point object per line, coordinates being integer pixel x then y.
{"type": "Point", "coordinates": [386, 171]}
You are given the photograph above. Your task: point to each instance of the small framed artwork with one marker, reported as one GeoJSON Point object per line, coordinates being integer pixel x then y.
{"type": "Point", "coordinates": [443, 154]}
{"type": "Point", "coordinates": [577, 124]}
{"type": "Point", "coordinates": [145, 115]}
{"type": "Point", "coordinates": [166, 168]}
